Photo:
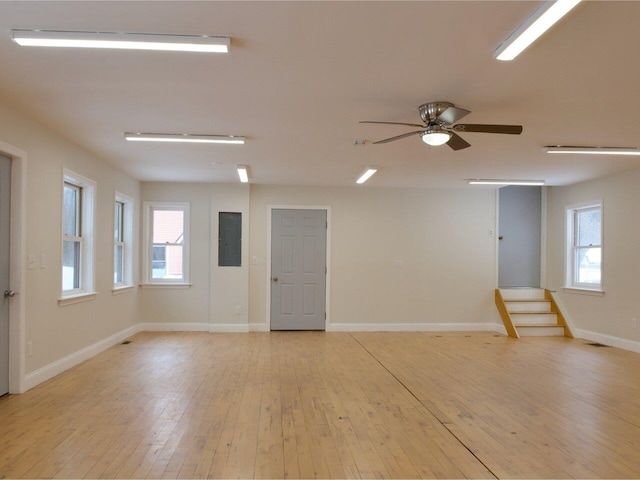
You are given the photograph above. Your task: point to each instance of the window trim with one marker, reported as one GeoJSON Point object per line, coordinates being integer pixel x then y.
{"type": "Point", "coordinates": [86, 237]}
{"type": "Point", "coordinates": [147, 247]}
{"type": "Point", "coordinates": [571, 283]}
{"type": "Point", "coordinates": [126, 230]}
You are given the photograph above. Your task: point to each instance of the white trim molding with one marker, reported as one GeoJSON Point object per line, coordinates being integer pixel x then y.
{"type": "Point", "coordinates": [55, 368]}
{"type": "Point", "coordinates": [194, 327]}
{"type": "Point", "coordinates": [327, 208]}
{"type": "Point", "coordinates": [631, 345]}
{"type": "Point", "coordinates": [18, 248]}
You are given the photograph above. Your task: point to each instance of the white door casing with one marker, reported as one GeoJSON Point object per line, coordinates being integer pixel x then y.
{"type": "Point", "coordinates": [298, 285]}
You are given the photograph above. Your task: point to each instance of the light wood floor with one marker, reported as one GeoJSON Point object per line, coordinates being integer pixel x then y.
{"type": "Point", "coordinates": [331, 405]}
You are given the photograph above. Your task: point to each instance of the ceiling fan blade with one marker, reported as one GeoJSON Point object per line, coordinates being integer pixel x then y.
{"type": "Point", "coordinates": [395, 123]}
{"type": "Point", "coordinates": [481, 128]}
{"type": "Point", "coordinates": [456, 142]}
{"type": "Point", "coordinates": [452, 115]}
{"type": "Point", "coordinates": [398, 137]}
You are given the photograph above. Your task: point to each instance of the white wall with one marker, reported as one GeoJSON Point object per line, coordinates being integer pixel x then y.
{"type": "Point", "coordinates": [182, 306]}
{"type": "Point", "coordinates": [440, 236]}
{"type": "Point", "coordinates": [230, 285]}
{"type": "Point", "coordinates": [212, 301]}
{"type": "Point", "coordinates": [611, 314]}
{"type": "Point", "coordinates": [55, 331]}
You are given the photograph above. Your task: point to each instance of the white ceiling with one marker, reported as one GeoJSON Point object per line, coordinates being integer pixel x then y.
{"type": "Point", "coordinates": [301, 75]}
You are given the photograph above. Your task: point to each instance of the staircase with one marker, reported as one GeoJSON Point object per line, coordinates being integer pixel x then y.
{"type": "Point", "coordinates": [530, 312]}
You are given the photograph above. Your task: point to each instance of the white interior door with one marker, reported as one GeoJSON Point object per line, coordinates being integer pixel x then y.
{"type": "Point", "coordinates": [5, 219]}
{"type": "Point", "coordinates": [519, 210]}
{"type": "Point", "coordinates": [298, 269]}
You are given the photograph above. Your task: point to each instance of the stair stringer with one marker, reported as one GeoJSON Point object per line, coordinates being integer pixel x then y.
{"type": "Point", "coordinates": [506, 317]}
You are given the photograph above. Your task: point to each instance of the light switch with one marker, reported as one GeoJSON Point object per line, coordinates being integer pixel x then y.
{"type": "Point", "coordinates": [31, 262]}
{"type": "Point", "coordinates": [43, 261]}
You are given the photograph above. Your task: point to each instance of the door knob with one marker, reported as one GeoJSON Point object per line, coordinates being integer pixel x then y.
{"type": "Point", "coordinates": [9, 294]}
{"type": "Point", "coordinates": [500, 237]}
{"type": "Point", "coordinates": [275, 279]}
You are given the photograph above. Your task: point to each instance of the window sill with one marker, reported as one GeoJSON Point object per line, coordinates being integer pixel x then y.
{"type": "Point", "coordinates": [584, 291]}
{"type": "Point", "coordinates": [174, 286]}
{"type": "Point", "coordinates": [119, 290]}
{"type": "Point", "coordinates": [78, 298]}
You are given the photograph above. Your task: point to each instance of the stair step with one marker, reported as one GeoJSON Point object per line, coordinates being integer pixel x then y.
{"type": "Point", "coordinates": [540, 331]}
{"type": "Point", "coordinates": [522, 293]}
{"type": "Point", "coordinates": [534, 318]}
{"type": "Point", "coordinates": [516, 306]}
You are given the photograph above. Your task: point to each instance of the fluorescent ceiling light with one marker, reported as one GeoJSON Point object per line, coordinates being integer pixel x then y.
{"type": "Point", "coordinates": [243, 174]}
{"type": "Point", "coordinates": [594, 150]}
{"type": "Point", "coordinates": [532, 183]}
{"type": "Point", "coordinates": [543, 19]}
{"type": "Point", "coordinates": [368, 173]}
{"type": "Point", "coordinates": [127, 41]}
{"type": "Point", "coordinates": [183, 138]}
{"type": "Point", "coordinates": [435, 136]}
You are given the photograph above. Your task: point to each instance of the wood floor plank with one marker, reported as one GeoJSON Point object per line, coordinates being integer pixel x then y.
{"type": "Point", "coordinates": [331, 405]}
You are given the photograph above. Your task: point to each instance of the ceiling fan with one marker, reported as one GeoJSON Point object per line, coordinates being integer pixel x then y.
{"type": "Point", "coordinates": [439, 128]}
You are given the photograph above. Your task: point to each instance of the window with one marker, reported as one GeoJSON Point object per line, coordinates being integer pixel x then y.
{"type": "Point", "coordinates": [77, 235]}
{"type": "Point", "coordinates": [166, 256]}
{"type": "Point", "coordinates": [123, 241]}
{"type": "Point", "coordinates": [584, 246]}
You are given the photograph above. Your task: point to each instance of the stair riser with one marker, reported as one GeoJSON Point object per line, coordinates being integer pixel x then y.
{"type": "Point", "coordinates": [515, 307]}
{"type": "Point", "coordinates": [534, 319]}
{"type": "Point", "coordinates": [522, 293]}
{"type": "Point", "coordinates": [541, 331]}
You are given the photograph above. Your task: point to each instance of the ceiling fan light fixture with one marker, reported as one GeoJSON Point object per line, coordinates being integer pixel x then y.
{"type": "Point", "coordinates": [123, 41]}
{"type": "Point", "coordinates": [435, 136]}
{"type": "Point", "coordinates": [538, 23]}
{"type": "Point", "coordinates": [594, 150]}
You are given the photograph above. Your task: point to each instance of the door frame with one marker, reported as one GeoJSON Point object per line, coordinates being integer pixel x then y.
{"type": "Point", "coordinates": [17, 280]}
{"type": "Point", "coordinates": [327, 303]}
{"type": "Point", "coordinates": [543, 237]}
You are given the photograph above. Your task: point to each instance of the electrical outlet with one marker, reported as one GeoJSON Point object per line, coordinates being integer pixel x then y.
{"type": "Point", "coordinates": [239, 310]}
{"type": "Point", "coordinates": [29, 348]}
{"type": "Point", "coordinates": [397, 263]}
{"type": "Point", "coordinates": [634, 323]}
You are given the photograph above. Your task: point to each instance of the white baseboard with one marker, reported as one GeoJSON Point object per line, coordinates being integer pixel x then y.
{"type": "Point", "coordinates": [49, 371]}
{"type": "Point", "coordinates": [194, 327]}
{"type": "Point", "coordinates": [415, 327]}
{"type": "Point", "coordinates": [612, 341]}
{"type": "Point", "coordinates": [174, 327]}
{"type": "Point", "coordinates": [55, 368]}
{"type": "Point", "coordinates": [228, 328]}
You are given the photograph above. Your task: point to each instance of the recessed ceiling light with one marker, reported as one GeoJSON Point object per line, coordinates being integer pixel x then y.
{"type": "Point", "coordinates": [184, 138]}
{"type": "Point", "coordinates": [506, 182]}
{"type": "Point", "coordinates": [243, 173]}
{"type": "Point", "coordinates": [127, 41]}
{"type": "Point", "coordinates": [538, 23]}
{"type": "Point", "coordinates": [594, 150]}
{"type": "Point", "coordinates": [368, 173]}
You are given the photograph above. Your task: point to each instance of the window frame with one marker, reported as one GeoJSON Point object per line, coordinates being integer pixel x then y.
{"type": "Point", "coordinates": [125, 241]}
{"type": "Point", "coordinates": [84, 235]}
{"type": "Point", "coordinates": [147, 260]}
{"type": "Point", "coordinates": [572, 213]}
